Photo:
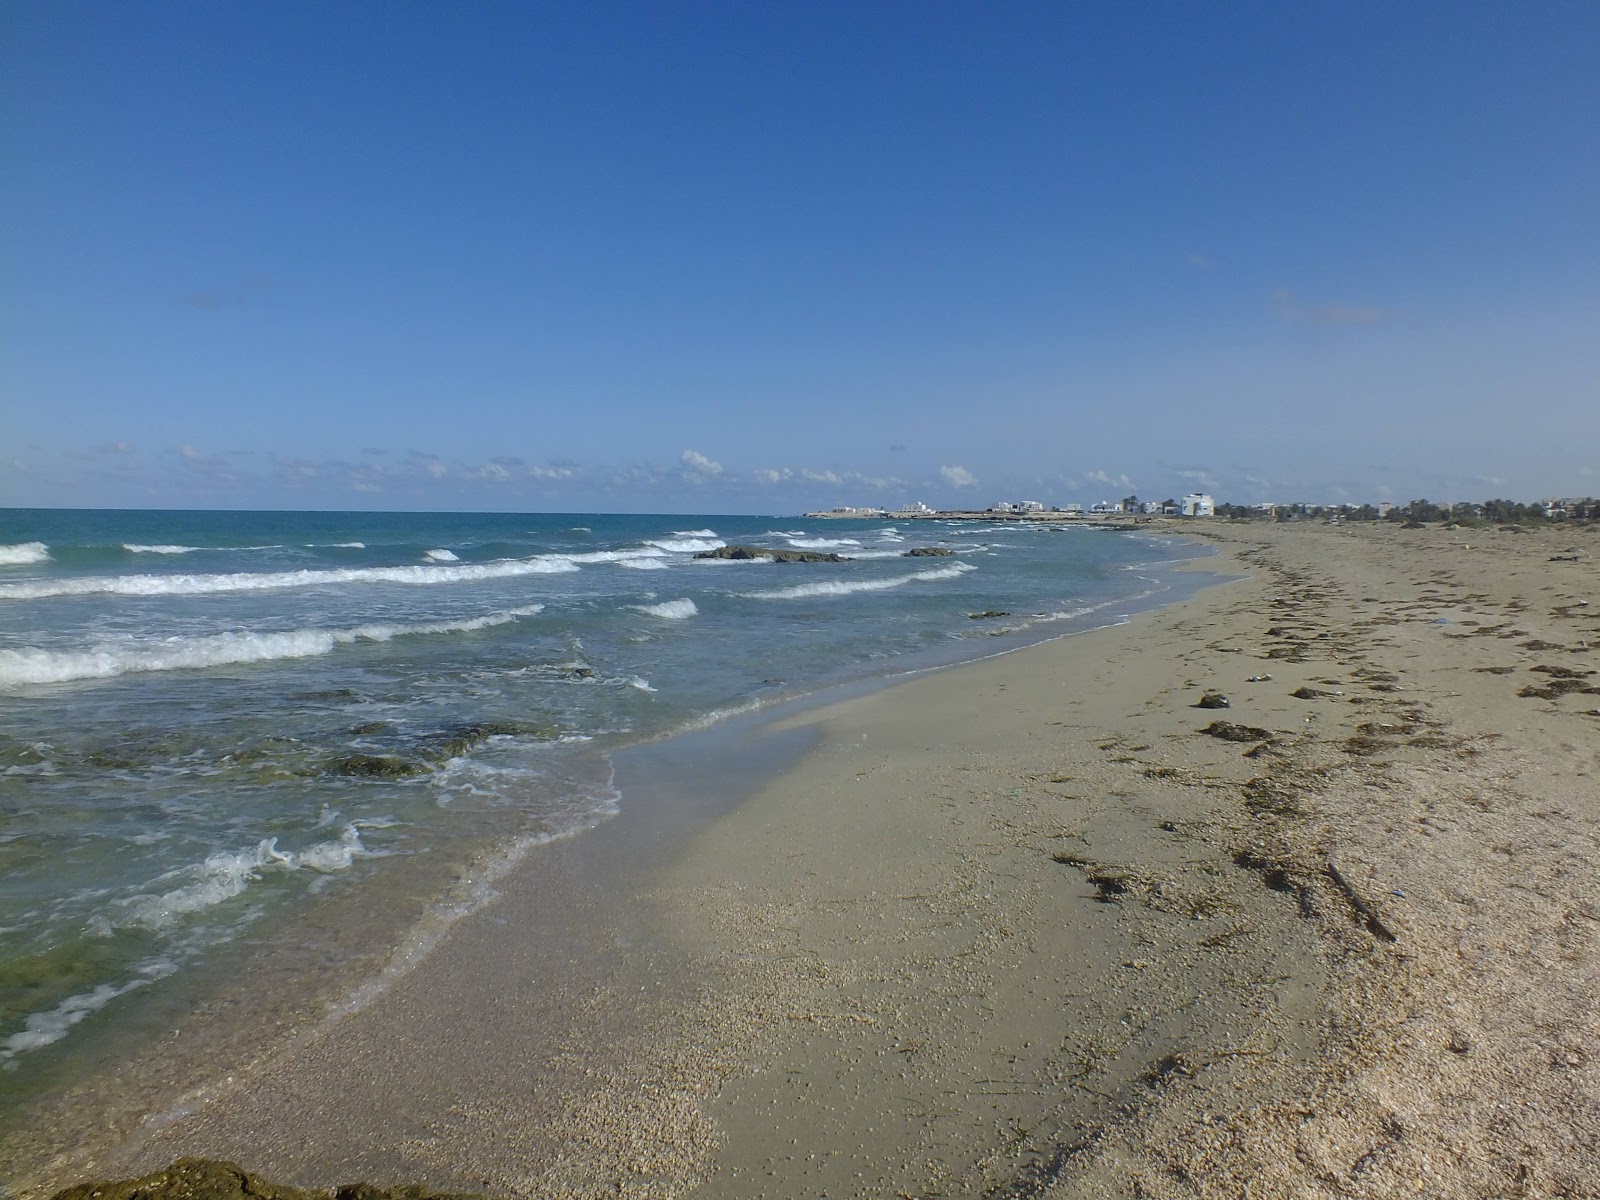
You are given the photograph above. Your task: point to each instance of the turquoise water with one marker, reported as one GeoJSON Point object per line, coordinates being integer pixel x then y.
{"type": "Point", "coordinates": [209, 720]}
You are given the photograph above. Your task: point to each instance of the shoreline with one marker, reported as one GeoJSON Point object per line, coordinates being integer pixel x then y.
{"type": "Point", "coordinates": [1020, 928]}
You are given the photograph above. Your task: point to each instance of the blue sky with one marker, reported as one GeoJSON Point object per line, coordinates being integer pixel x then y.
{"type": "Point", "coordinates": [766, 257]}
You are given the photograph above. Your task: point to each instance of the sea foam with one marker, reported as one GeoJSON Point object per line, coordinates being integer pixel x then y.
{"type": "Point", "coordinates": [441, 556]}
{"type": "Point", "coordinates": [670, 610]}
{"type": "Point", "coordinates": [18, 668]}
{"type": "Point", "coordinates": [835, 587]}
{"type": "Point", "coordinates": [135, 548]}
{"type": "Point", "coordinates": [23, 554]}
{"type": "Point", "coordinates": [686, 545]}
{"type": "Point", "coordinates": [195, 585]}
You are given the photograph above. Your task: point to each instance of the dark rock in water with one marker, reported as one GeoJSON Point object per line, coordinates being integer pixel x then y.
{"type": "Point", "coordinates": [1212, 700]}
{"type": "Point", "coordinates": [993, 612]}
{"type": "Point", "coordinates": [376, 766]}
{"type": "Point", "coordinates": [928, 552]}
{"type": "Point", "coordinates": [745, 553]}
{"type": "Point", "coordinates": [458, 739]}
{"type": "Point", "coordinates": [369, 727]}
{"type": "Point", "coordinates": [207, 1179]}
{"type": "Point", "coordinates": [1229, 732]}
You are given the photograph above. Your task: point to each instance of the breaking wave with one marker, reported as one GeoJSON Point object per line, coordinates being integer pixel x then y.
{"type": "Point", "coordinates": [226, 874]}
{"type": "Point", "coordinates": [23, 554]}
{"type": "Point", "coordinates": [135, 548]}
{"type": "Point", "coordinates": [670, 610]}
{"type": "Point", "coordinates": [441, 556]}
{"type": "Point", "coordinates": [847, 587]}
{"type": "Point", "coordinates": [18, 668]}
{"type": "Point", "coordinates": [686, 545]}
{"type": "Point", "coordinates": [820, 543]}
{"type": "Point", "coordinates": [193, 585]}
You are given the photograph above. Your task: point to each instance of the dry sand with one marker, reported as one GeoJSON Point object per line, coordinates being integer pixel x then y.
{"type": "Point", "coordinates": [1021, 928]}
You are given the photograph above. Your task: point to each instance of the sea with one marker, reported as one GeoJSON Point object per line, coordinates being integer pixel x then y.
{"type": "Point", "coordinates": [213, 722]}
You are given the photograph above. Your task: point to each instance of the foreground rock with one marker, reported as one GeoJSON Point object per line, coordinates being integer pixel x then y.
{"type": "Point", "coordinates": [928, 552]}
{"type": "Point", "coordinates": [206, 1179]}
{"type": "Point", "coordinates": [745, 553]}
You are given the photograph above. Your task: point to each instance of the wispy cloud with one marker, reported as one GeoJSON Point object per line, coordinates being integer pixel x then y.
{"type": "Point", "coordinates": [957, 476]}
{"type": "Point", "coordinates": [1109, 480]}
{"type": "Point", "coordinates": [1290, 309]}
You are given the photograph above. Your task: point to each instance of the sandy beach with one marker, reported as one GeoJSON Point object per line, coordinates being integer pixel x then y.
{"type": "Point", "coordinates": [1033, 926]}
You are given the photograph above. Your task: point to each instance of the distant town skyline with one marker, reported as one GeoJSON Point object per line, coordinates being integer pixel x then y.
{"type": "Point", "coordinates": [767, 259]}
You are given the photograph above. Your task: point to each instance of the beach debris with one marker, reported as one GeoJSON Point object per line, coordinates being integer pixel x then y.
{"type": "Point", "coordinates": [1368, 914]}
{"type": "Point", "coordinates": [210, 1179]}
{"type": "Point", "coordinates": [987, 615]}
{"type": "Point", "coordinates": [1259, 679]}
{"type": "Point", "coordinates": [1229, 732]}
{"type": "Point", "coordinates": [1212, 700]}
{"type": "Point", "coordinates": [1308, 693]}
{"type": "Point", "coordinates": [928, 552]}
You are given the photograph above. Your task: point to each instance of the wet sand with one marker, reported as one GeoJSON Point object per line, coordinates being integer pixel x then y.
{"type": "Point", "coordinates": [1023, 928]}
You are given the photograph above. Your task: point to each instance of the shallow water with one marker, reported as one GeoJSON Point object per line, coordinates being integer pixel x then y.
{"type": "Point", "coordinates": [209, 721]}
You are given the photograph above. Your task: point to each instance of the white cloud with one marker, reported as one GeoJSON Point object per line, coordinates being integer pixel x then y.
{"type": "Point", "coordinates": [958, 476]}
{"type": "Point", "coordinates": [820, 476]}
{"type": "Point", "coordinates": [770, 475]}
{"type": "Point", "coordinates": [1203, 478]}
{"type": "Point", "coordinates": [698, 464]}
{"type": "Point", "coordinates": [490, 473]}
{"type": "Point", "coordinates": [1109, 480]}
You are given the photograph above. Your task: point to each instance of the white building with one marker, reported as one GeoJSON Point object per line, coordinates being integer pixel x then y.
{"type": "Point", "coordinates": [916, 508]}
{"type": "Point", "coordinates": [1199, 504]}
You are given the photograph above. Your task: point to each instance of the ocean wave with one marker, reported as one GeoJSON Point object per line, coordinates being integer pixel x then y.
{"type": "Point", "coordinates": [193, 585]}
{"type": "Point", "coordinates": [43, 1028]}
{"type": "Point", "coordinates": [24, 554]}
{"type": "Point", "coordinates": [694, 533]}
{"type": "Point", "coordinates": [440, 556]}
{"type": "Point", "coordinates": [19, 668]}
{"type": "Point", "coordinates": [626, 558]}
{"type": "Point", "coordinates": [837, 587]}
{"type": "Point", "coordinates": [336, 545]}
{"type": "Point", "coordinates": [670, 610]}
{"type": "Point", "coordinates": [642, 563]}
{"type": "Point", "coordinates": [227, 873]}
{"type": "Point", "coordinates": [135, 548]}
{"type": "Point", "coordinates": [687, 545]}
{"type": "Point", "coordinates": [821, 543]}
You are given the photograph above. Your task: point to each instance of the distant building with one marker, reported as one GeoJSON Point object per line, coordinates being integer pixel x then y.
{"type": "Point", "coordinates": [1072, 510]}
{"type": "Point", "coordinates": [1199, 504]}
{"type": "Point", "coordinates": [916, 509]}
{"type": "Point", "coordinates": [1105, 506]}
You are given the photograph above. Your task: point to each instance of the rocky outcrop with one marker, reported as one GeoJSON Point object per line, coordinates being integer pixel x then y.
{"type": "Point", "coordinates": [207, 1179]}
{"type": "Point", "coordinates": [928, 552]}
{"type": "Point", "coordinates": [987, 615]}
{"type": "Point", "coordinates": [745, 553]}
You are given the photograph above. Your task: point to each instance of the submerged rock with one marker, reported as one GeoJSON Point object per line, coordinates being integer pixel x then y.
{"type": "Point", "coordinates": [983, 616]}
{"type": "Point", "coordinates": [208, 1179]}
{"type": "Point", "coordinates": [375, 766]}
{"type": "Point", "coordinates": [458, 739]}
{"type": "Point", "coordinates": [745, 553]}
{"type": "Point", "coordinates": [928, 552]}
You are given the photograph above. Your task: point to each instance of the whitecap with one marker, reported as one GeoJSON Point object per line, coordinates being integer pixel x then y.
{"type": "Point", "coordinates": [441, 556]}
{"type": "Point", "coordinates": [195, 585]}
{"type": "Point", "coordinates": [820, 543]}
{"type": "Point", "coordinates": [135, 548]}
{"type": "Point", "coordinates": [840, 587]}
{"type": "Point", "coordinates": [694, 533]}
{"type": "Point", "coordinates": [103, 661]}
{"type": "Point", "coordinates": [670, 610]}
{"type": "Point", "coordinates": [24, 554]}
{"type": "Point", "coordinates": [686, 545]}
